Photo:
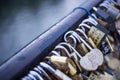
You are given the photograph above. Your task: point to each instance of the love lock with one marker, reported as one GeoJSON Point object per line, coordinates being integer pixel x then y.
{"type": "Point", "coordinates": [79, 46]}
{"type": "Point", "coordinates": [91, 60]}
{"type": "Point", "coordinates": [72, 54]}
{"type": "Point", "coordinates": [97, 34]}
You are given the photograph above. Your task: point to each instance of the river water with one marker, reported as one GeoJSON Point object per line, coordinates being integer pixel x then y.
{"type": "Point", "coordinates": [23, 20]}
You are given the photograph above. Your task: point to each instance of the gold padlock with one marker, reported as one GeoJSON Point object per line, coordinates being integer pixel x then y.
{"type": "Point", "coordinates": [71, 67]}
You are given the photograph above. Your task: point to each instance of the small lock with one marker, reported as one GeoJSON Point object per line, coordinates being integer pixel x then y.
{"type": "Point", "coordinates": [96, 35]}
{"type": "Point", "coordinates": [77, 45]}
{"type": "Point", "coordinates": [73, 55]}
{"type": "Point", "coordinates": [94, 58]}
{"type": "Point", "coordinates": [65, 62]}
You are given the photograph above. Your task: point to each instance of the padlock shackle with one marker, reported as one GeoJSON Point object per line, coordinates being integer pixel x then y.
{"type": "Point", "coordinates": [84, 25]}
{"type": "Point", "coordinates": [63, 48]}
{"type": "Point", "coordinates": [74, 40]}
{"type": "Point", "coordinates": [91, 20]}
{"type": "Point", "coordinates": [87, 45]}
{"type": "Point", "coordinates": [48, 67]}
{"type": "Point", "coordinates": [43, 72]}
{"type": "Point", "coordinates": [70, 33]}
{"type": "Point", "coordinates": [71, 47]}
{"type": "Point", "coordinates": [55, 53]}
{"type": "Point", "coordinates": [81, 31]}
{"type": "Point", "coordinates": [36, 74]}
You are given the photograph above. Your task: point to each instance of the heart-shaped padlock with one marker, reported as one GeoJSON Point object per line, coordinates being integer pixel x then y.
{"type": "Point", "coordinates": [94, 58]}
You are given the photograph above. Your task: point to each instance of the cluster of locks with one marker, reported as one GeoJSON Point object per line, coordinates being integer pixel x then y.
{"type": "Point", "coordinates": [90, 52]}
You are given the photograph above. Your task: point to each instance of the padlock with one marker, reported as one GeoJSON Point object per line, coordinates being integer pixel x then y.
{"type": "Point", "coordinates": [94, 58]}
{"type": "Point", "coordinates": [98, 36]}
{"type": "Point", "coordinates": [55, 74]}
{"type": "Point", "coordinates": [73, 55]}
{"type": "Point", "coordinates": [110, 23]}
{"type": "Point", "coordinates": [79, 46]}
{"type": "Point", "coordinates": [66, 62]}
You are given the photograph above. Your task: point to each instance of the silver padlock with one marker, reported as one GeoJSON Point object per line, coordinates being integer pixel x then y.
{"type": "Point", "coordinates": [94, 57]}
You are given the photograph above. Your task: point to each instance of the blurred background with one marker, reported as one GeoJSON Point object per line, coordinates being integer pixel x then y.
{"type": "Point", "coordinates": [23, 20]}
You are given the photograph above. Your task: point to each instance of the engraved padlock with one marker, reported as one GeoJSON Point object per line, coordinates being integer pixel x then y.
{"type": "Point", "coordinates": [94, 58]}
{"type": "Point", "coordinates": [98, 35]}
{"type": "Point", "coordinates": [93, 32]}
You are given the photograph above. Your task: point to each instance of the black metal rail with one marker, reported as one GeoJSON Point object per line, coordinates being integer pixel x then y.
{"type": "Point", "coordinates": [35, 51]}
